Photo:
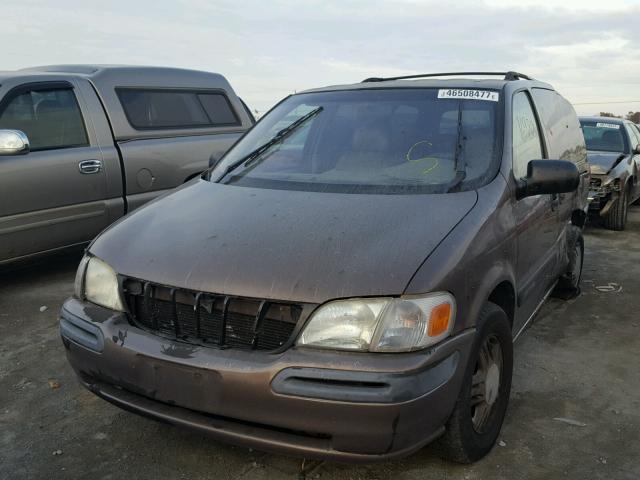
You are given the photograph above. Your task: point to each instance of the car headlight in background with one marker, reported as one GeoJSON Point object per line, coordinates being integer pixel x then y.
{"type": "Point", "coordinates": [381, 324]}
{"type": "Point", "coordinates": [97, 282]}
{"type": "Point", "coordinates": [613, 184]}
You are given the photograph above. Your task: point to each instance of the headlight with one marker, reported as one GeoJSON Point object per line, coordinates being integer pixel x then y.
{"type": "Point", "coordinates": [97, 282]}
{"type": "Point", "coordinates": [611, 183]}
{"type": "Point", "coordinates": [381, 324]}
{"type": "Point", "coordinates": [78, 285]}
{"type": "Point", "coordinates": [606, 184]}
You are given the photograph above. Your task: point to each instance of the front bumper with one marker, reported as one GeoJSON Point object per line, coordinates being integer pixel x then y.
{"type": "Point", "coordinates": [313, 403]}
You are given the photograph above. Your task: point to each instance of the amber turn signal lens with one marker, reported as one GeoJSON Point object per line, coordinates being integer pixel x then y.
{"type": "Point", "coordinates": [439, 319]}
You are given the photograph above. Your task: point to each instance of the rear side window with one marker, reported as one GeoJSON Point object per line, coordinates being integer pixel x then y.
{"type": "Point", "coordinates": [561, 124]}
{"type": "Point", "coordinates": [156, 109]}
{"type": "Point", "coordinates": [527, 143]}
{"type": "Point", "coordinates": [50, 118]}
{"type": "Point", "coordinates": [218, 109]}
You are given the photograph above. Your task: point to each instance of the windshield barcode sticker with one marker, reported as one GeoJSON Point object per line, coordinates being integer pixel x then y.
{"type": "Point", "coordinates": [469, 94]}
{"type": "Point", "coordinates": [607, 125]}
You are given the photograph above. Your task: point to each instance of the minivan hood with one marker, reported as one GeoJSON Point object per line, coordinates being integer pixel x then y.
{"type": "Point", "coordinates": [602, 162]}
{"type": "Point", "coordinates": [278, 244]}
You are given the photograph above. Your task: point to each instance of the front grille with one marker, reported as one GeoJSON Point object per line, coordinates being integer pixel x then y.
{"type": "Point", "coordinates": [210, 319]}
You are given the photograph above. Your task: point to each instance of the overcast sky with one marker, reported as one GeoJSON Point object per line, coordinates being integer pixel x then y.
{"type": "Point", "coordinates": [588, 49]}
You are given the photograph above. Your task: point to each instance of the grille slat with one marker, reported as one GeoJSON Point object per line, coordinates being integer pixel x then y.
{"type": "Point", "coordinates": [174, 313]}
{"type": "Point", "coordinates": [209, 319]}
{"type": "Point", "coordinates": [223, 326]}
{"type": "Point", "coordinates": [262, 311]}
{"type": "Point", "coordinates": [196, 308]}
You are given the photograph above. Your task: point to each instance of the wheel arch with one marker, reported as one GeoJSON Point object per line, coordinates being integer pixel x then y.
{"type": "Point", "coordinates": [631, 182]}
{"type": "Point", "coordinates": [578, 218]}
{"type": "Point", "coordinates": [504, 296]}
{"type": "Point", "coordinates": [496, 285]}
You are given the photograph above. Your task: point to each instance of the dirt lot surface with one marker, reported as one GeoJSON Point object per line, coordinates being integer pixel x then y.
{"type": "Point", "coordinates": [574, 411]}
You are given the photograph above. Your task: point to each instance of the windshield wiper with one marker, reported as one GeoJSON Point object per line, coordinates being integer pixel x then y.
{"type": "Point", "coordinates": [278, 137]}
{"type": "Point", "coordinates": [459, 160]}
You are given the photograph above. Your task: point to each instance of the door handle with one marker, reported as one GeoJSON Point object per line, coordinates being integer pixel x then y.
{"type": "Point", "coordinates": [90, 166]}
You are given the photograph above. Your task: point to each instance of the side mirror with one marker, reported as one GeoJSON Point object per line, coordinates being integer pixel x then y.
{"type": "Point", "coordinates": [637, 149]}
{"type": "Point", "coordinates": [548, 176]}
{"type": "Point", "coordinates": [13, 142]}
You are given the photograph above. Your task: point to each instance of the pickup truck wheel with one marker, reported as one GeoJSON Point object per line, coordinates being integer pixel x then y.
{"type": "Point", "coordinates": [616, 218]}
{"type": "Point", "coordinates": [568, 286]}
{"type": "Point", "coordinates": [475, 423]}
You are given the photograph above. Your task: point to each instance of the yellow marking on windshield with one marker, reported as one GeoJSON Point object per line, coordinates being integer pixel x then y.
{"type": "Point", "coordinates": [434, 159]}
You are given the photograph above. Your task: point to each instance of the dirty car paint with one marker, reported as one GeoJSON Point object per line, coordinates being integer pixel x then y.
{"type": "Point", "coordinates": [300, 246]}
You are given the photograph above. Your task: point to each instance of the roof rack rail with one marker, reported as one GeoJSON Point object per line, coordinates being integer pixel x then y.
{"type": "Point", "coordinates": [509, 76]}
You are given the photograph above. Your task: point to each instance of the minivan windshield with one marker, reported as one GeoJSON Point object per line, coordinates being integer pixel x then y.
{"type": "Point", "coordinates": [389, 141]}
{"type": "Point", "coordinates": [603, 136]}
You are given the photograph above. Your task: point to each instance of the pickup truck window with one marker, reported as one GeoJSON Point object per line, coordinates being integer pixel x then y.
{"type": "Point", "coordinates": [51, 118]}
{"type": "Point", "coordinates": [153, 109]}
{"type": "Point", "coordinates": [218, 109]}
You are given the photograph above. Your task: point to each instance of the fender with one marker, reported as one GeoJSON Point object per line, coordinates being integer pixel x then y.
{"type": "Point", "coordinates": [500, 273]}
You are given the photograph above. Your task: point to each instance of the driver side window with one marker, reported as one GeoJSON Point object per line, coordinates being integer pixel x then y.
{"type": "Point", "coordinates": [527, 142]}
{"type": "Point", "coordinates": [50, 118]}
{"type": "Point", "coordinates": [634, 136]}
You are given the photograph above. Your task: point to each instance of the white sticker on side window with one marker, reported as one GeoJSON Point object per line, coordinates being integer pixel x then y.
{"type": "Point", "coordinates": [466, 94]}
{"type": "Point", "coordinates": [607, 125]}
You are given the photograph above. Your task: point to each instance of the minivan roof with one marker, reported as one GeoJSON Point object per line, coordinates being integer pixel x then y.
{"type": "Point", "coordinates": [435, 82]}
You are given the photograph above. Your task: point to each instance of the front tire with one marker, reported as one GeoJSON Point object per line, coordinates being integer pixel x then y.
{"type": "Point", "coordinates": [616, 218]}
{"type": "Point", "coordinates": [568, 286]}
{"type": "Point", "coordinates": [474, 425]}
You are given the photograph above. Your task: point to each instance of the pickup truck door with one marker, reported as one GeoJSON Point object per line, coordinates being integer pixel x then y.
{"type": "Point", "coordinates": [55, 195]}
{"type": "Point", "coordinates": [536, 218]}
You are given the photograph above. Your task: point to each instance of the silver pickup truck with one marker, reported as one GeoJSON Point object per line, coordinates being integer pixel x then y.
{"type": "Point", "coordinates": [82, 145]}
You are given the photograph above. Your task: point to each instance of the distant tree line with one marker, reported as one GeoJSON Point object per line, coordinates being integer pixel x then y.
{"type": "Point", "coordinates": [633, 116]}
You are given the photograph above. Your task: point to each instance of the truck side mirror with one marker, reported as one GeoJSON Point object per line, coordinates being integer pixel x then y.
{"type": "Point", "coordinates": [13, 142]}
{"type": "Point", "coordinates": [548, 176]}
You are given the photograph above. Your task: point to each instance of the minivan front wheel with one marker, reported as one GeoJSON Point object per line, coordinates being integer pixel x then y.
{"type": "Point", "coordinates": [475, 423]}
{"type": "Point", "coordinates": [568, 285]}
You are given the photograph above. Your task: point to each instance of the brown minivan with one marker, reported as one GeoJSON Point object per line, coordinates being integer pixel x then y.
{"type": "Point", "coordinates": [347, 281]}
